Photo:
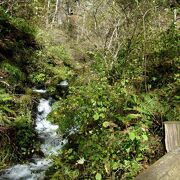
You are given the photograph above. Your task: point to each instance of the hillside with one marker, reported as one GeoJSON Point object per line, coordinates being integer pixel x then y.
{"type": "Point", "coordinates": [121, 61]}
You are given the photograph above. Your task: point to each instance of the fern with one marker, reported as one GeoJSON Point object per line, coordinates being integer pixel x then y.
{"type": "Point", "coordinates": [14, 72]}
{"type": "Point", "coordinates": [151, 105]}
{"type": "Point", "coordinates": [4, 97]}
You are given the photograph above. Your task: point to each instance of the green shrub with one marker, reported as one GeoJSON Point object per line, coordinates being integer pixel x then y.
{"type": "Point", "coordinates": [112, 136]}
{"type": "Point", "coordinates": [60, 53]}
{"type": "Point", "coordinates": [15, 74]}
{"type": "Point", "coordinates": [23, 26]}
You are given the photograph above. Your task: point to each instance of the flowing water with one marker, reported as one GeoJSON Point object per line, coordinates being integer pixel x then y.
{"type": "Point", "coordinates": [51, 143]}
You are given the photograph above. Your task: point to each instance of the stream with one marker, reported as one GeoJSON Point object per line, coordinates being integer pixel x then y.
{"type": "Point", "coordinates": [51, 144]}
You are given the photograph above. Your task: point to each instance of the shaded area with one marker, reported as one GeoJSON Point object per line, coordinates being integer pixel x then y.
{"type": "Point", "coordinates": [17, 50]}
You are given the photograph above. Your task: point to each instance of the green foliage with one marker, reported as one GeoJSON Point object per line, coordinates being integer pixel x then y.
{"type": "Point", "coordinates": [164, 59]}
{"type": "Point", "coordinates": [6, 100]}
{"type": "Point", "coordinates": [6, 149]}
{"type": "Point", "coordinates": [17, 134]}
{"type": "Point", "coordinates": [60, 53]}
{"type": "Point", "coordinates": [4, 15]}
{"type": "Point", "coordinates": [23, 26]}
{"type": "Point", "coordinates": [15, 116]}
{"type": "Point", "coordinates": [25, 135]}
{"type": "Point", "coordinates": [60, 73]}
{"type": "Point", "coordinates": [15, 74]}
{"type": "Point", "coordinates": [4, 97]}
{"type": "Point", "coordinates": [98, 176]}
{"type": "Point", "coordinates": [113, 115]}
{"type": "Point", "coordinates": [38, 78]}
{"type": "Point", "coordinates": [118, 125]}
{"type": "Point", "coordinates": [112, 139]}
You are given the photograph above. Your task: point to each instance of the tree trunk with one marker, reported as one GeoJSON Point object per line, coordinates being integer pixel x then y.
{"type": "Point", "coordinates": [47, 13]}
{"type": "Point", "coordinates": [55, 12]}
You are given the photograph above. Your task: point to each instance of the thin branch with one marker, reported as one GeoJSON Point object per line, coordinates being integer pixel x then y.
{"type": "Point", "coordinates": [5, 83]}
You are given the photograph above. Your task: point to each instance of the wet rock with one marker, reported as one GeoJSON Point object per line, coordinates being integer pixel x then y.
{"type": "Point", "coordinates": [62, 88]}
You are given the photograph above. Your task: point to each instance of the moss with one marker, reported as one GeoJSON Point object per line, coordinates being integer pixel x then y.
{"type": "Point", "coordinates": [17, 51]}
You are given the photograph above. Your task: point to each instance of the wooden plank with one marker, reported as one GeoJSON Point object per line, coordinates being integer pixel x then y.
{"type": "Point", "coordinates": [172, 135]}
{"type": "Point", "coordinates": [166, 168]}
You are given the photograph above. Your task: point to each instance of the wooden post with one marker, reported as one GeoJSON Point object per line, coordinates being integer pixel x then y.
{"type": "Point", "coordinates": [172, 135]}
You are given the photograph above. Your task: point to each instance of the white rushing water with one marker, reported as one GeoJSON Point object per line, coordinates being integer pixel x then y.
{"type": "Point", "coordinates": [51, 143]}
{"type": "Point", "coordinates": [39, 90]}
{"type": "Point", "coordinates": [63, 83]}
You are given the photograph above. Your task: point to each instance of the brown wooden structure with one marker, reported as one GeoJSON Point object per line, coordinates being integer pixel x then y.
{"type": "Point", "coordinates": [167, 167]}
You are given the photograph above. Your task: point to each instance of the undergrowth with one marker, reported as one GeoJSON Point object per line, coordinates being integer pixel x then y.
{"type": "Point", "coordinates": [113, 117]}
{"type": "Point", "coordinates": [114, 111]}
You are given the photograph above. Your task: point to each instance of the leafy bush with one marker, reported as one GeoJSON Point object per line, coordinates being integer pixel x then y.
{"type": "Point", "coordinates": [38, 78]}
{"type": "Point", "coordinates": [111, 131]}
{"type": "Point", "coordinates": [23, 26]}
{"type": "Point", "coordinates": [15, 74]}
{"type": "Point", "coordinates": [115, 128]}
{"type": "Point", "coordinates": [60, 53]}
{"type": "Point", "coordinates": [25, 136]}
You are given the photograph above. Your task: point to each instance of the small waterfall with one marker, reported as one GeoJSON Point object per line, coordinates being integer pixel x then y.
{"type": "Point", "coordinates": [51, 143]}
